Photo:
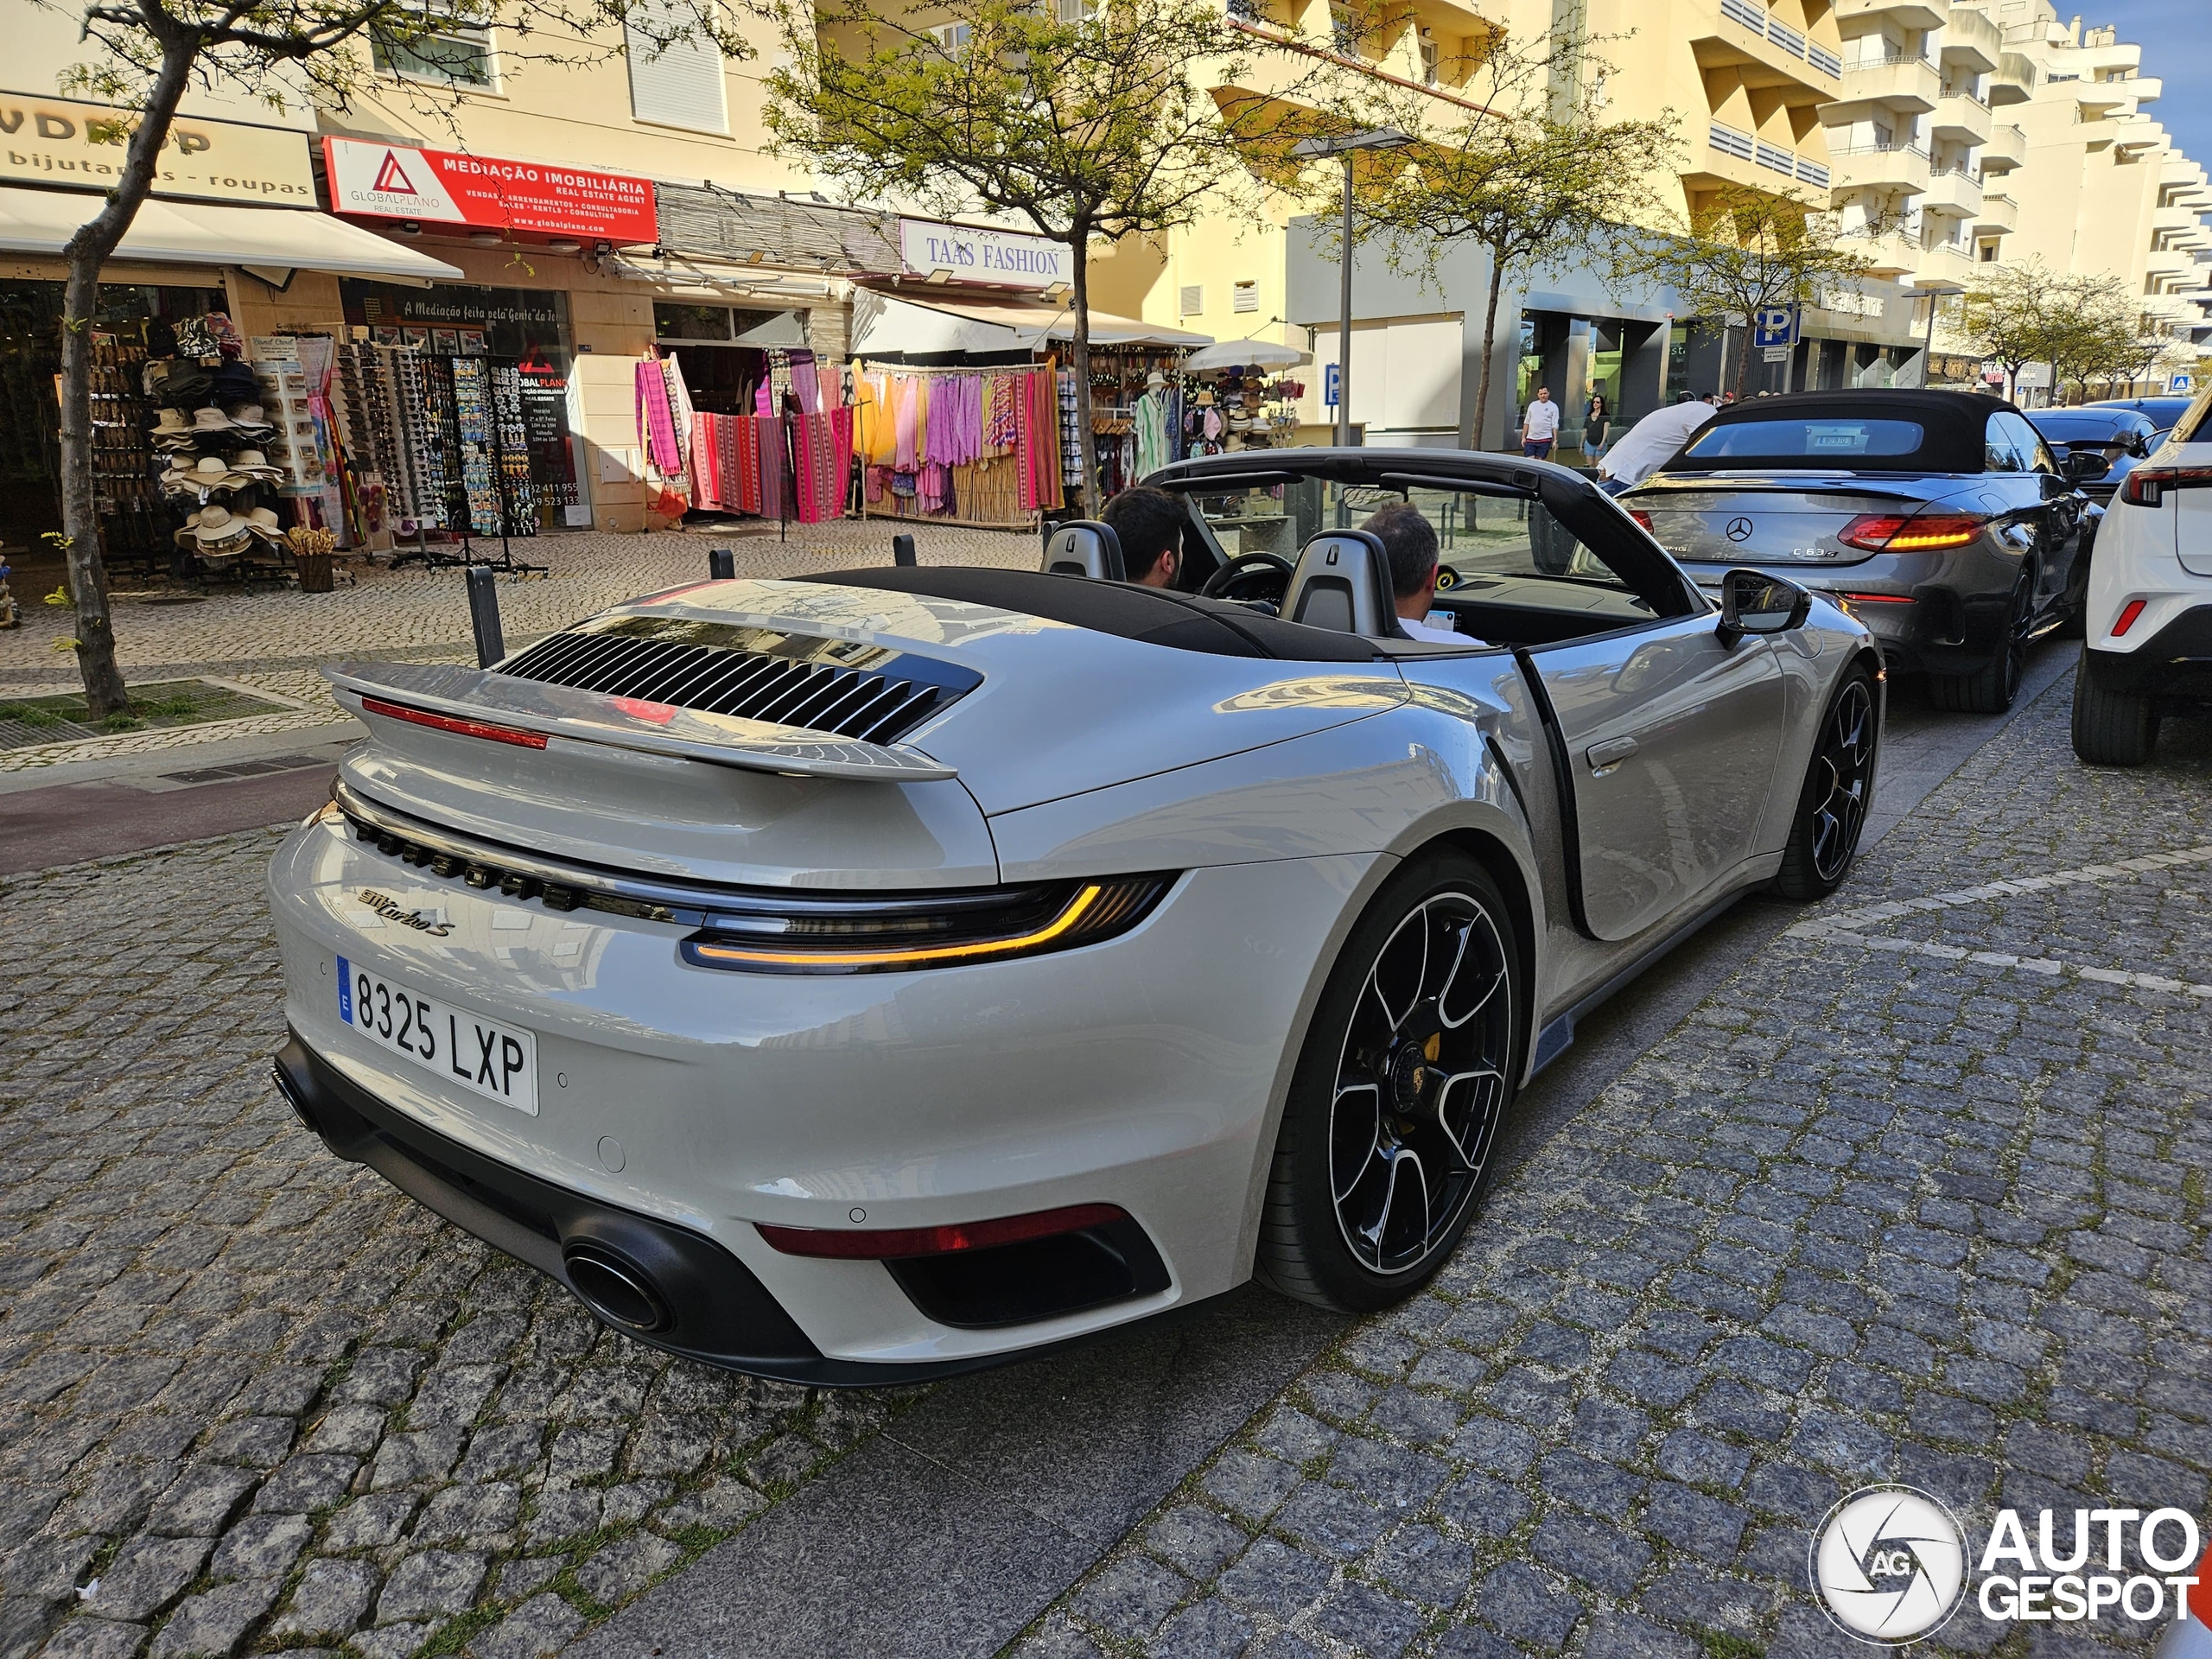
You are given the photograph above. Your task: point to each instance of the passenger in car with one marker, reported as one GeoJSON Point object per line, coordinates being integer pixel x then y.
{"type": "Point", "coordinates": [1149, 523]}
{"type": "Point", "coordinates": [1410, 541]}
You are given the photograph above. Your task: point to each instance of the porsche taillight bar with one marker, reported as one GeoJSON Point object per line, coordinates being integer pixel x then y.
{"type": "Point", "coordinates": [894, 1243]}
{"type": "Point", "coordinates": [2146, 485]}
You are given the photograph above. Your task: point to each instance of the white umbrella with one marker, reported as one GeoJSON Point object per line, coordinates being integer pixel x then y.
{"type": "Point", "coordinates": [1248, 355]}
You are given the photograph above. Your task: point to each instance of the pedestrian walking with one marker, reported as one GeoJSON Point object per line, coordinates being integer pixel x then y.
{"type": "Point", "coordinates": [1539, 426]}
{"type": "Point", "coordinates": [1596, 418]}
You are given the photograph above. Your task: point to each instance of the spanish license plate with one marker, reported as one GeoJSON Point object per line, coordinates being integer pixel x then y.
{"type": "Point", "coordinates": [497, 1062]}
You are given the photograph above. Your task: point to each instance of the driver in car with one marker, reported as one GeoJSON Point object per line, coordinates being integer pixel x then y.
{"type": "Point", "coordinates": [1410, 541]}
{"type": "Point", "coordinates": [1149, 523]}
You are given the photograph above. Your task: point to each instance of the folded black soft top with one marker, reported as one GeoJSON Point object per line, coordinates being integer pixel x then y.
{"type": "Point", "coordinates": [1218, 627]}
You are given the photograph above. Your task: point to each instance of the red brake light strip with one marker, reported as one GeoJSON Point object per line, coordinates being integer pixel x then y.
{"type": "Point", "coordinates": [454, 724]}
{"type": "Point", "coordinates": [891, 1243]}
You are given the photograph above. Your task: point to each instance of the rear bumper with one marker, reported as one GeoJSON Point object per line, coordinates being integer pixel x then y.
{"type": "Point", "coordinates": [717, 1311]}
{"type": "Point", "coordinates": [2174, 663]}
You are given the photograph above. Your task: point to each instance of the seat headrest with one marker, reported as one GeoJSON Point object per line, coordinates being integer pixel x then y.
{"type": "Point", "coordinates": [1342, 581]}
{"type": "Point", "coordinates": [1083, 547]}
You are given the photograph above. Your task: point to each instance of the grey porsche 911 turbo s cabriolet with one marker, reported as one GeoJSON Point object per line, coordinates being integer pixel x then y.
{"type": "Point", "coordinates": [875, 975]}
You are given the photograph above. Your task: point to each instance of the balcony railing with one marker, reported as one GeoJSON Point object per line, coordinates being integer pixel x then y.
{"type": "Point", "coordinates": [1755, 17]}
{"type": "Point", "coordinates": [1748, 146]}
{"type": "Point", "coordinates": [1776, 159]}
{"type": "Point", "coordinates": [1729, 141]}
{"type": "Point", "coordinates": [1812, 173]}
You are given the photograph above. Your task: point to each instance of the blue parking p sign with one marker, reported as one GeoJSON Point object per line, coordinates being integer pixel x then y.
{"type": "Point", "coordinates": [1330, 396]}
{"type": "Point", "coordinates": [1775, 324]}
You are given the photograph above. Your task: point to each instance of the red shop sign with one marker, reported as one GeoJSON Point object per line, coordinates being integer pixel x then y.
{"type": "Point", "coordinates": [442, 186]}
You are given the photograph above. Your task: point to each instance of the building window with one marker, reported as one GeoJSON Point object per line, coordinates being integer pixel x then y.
{"type": "Point", "coordinates": [1989, 253]}
{"type": "Point", "coordinates": [952, 38]}
{"type": "Point", "coordinates": [1344, 30]}
{"type": "Point", "coordinates": [455, 54]}
{"type": "Point", "coordinates": [1430, 57]}
{"type": "Point", "coordinates": [1077, 11]}
{"type": "Point", "coordinates": [675, 67]}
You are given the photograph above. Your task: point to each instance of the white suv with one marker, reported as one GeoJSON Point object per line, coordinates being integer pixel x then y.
{"type": "Point", "coordinates": [2147, 638]}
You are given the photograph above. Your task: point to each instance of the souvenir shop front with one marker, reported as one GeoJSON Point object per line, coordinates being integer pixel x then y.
{"type": "Point", "coordinates": [209, 439]}
{"type": "Point", "coordinates": [968, 411]}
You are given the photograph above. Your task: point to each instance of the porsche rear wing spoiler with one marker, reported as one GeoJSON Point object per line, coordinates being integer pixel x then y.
{"type": "Point", "coordinates": [510, 710]}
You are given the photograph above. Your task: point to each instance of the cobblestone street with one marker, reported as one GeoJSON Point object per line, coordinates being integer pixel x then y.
{"type": "Point", "coordinates": [1906, 1198]}
{"type": "Point", "coordinates": [1933, 1214]}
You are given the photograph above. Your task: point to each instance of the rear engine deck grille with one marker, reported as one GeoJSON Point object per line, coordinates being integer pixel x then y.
{"type": "Point", "coordinates": [867, 693]}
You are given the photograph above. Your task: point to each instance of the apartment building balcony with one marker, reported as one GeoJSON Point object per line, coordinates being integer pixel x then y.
{"type": "Point", "coordinates": [2000, 214]}
{"type": "Point", "coordinates": [1907, 84]}
{"type": "Point", "coordinates": [1973, 43]}
{"type": "Point", "coordinates": [1953, 194]}
{"type": "Point", "coordinates": [2014, 81]}
{"type": "Point", "coordinates": [1744, 158]}
{"type": "Point", "coordinates": [1962, 117]}
{"type": "Point", "coordinates": [1891, 254]}
{"type": "Point", "coordinates": [1765, 54]}
{"type": "Point", "coordinates": [1946, 262]}
{"type": "Point", "coordinates": [2004, 148]}
{"type": "Point", "coordinates": [1905, 14]}
{"type": "Point", "coordinates": [1891, 167]}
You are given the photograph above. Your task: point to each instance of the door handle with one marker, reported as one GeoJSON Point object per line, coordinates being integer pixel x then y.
{"type": "Point", "coordinates": [1604, 757]}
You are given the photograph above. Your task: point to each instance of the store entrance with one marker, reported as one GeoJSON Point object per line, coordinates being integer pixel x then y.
{"type": "Point", "coordinates": [131, 317]}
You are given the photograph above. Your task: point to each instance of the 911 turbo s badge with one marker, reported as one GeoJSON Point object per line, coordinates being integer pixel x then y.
{"type": "Point", "coordinates": [433, 924]}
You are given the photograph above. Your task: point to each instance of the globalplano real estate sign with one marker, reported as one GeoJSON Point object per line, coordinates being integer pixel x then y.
{"type": "Point", "coordinates": [444, 187]}
{"type": "Point", "coordinates": [973, 253]}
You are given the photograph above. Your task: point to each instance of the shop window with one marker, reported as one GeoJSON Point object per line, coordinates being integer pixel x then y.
{"type": "Point", "coordinates": [455, 54]}
{"type": "Point", "coordinates": [675, 67]}
{"type": "Point", "coordinates": [688, 324]}
{"type": "Point", "coordinates": [1193, 299]}
{"type": "Point", "coordinates": [1245, 297]}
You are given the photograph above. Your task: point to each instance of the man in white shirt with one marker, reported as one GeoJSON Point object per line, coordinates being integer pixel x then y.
{"type": "Point", "coordinates": [1650, 444]}
{"type": "Point", "coordinates": [1410, 541]}
{"type": "Point", "coordinates": [1539, 426]}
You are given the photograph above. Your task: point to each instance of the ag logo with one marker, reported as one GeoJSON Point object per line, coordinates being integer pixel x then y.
{"type": "Point", "coordinates": [1740, 529]}
{"type": "Point", "coordinates": [1890, 1564]}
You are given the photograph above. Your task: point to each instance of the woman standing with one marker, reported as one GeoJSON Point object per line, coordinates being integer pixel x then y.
{"type": "Point", "coordinates": [1596, 418]}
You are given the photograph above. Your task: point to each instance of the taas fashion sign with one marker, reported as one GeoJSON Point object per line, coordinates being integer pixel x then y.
{"type": "Point", "coordinates": [972, 254]}
{"type": "Point", "coordinates": [442, 186]}
{"type": "Point", "coordinates": [61, 141]}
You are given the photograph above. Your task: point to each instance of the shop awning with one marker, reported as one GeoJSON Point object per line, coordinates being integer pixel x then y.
{"type": "Point", "coordinates": [884, 323]}
{"type": "Point", "coordinates": [268, 241]}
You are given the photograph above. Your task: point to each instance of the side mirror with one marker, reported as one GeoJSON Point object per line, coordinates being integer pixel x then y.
{"type": "Point", "coordinates": [2083, 463]}
{"type": "Point", "coordinates": [1753, 602]}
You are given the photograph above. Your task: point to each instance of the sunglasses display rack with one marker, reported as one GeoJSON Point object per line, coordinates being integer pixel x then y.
{"type": "Point", "coordinates": [134, 524]}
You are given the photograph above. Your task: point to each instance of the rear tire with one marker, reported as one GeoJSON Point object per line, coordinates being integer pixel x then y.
{"type": "Point", "coordinates": [1991, 688]}
{"type": "Point", "coordinates": [1839, 788]}
{"type": "Point", "coordinates": [2111, 728]}
{"type": "Point", "coordinates": [1389, 1134]}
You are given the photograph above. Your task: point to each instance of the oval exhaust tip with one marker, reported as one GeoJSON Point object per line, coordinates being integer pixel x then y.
{"type": "Point", "coordinates": [616, 1289]}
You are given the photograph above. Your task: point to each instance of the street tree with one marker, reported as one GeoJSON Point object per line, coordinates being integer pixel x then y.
{"type": "Point", "coordinates": [2094, 331]}
{"type": "Point", "coordinates": [1748, 251]}
{"type": "Point", "coordinates": [2014, 315]}
{"type": "Point", "coordinates": [1521, 161]}
{"type": "Point", "coordinates": [1087, 127]}
{"type": "Point", "coordinates": [143, 56]}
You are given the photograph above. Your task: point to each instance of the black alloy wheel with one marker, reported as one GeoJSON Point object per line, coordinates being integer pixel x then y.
{"type": "Point", "coordinates": [1991, 688]}
{"type": "Point", "coordinates": [1408, 1067]}
{"type": "Point", "coordinates": [1839, 788]}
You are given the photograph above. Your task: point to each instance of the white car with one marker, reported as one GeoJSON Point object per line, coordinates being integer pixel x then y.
{"type": "Point", "coordinates": [2147, 631]}
{"type": "Point", "coordinates": [873, 976]}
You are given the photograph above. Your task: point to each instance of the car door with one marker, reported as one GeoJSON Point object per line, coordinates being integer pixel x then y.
{"type": "Point", "coordinates": [2048, 509]}
{"type": "Point", "coordinates": [1668, 733]}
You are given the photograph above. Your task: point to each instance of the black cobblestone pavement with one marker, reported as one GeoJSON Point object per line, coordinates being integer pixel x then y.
{"type": "Point", "coordinates": [1915, 1197]}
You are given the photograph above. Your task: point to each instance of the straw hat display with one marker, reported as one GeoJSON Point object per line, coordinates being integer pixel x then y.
{"type": "Point", "coordinates": [251, 417]}
{"type": "Point", "coordinates": [210, 475]}
{"type": "Point", "coordinates": [255, 464]}
{"type": "Point", "coordinates": [220, 533]}
{"type": "Point", "coordinates": [262, 522]}
{"type": "Point", "coordinates": [173, 430]}
{"type": "Point", "coordinates": [211, 422]}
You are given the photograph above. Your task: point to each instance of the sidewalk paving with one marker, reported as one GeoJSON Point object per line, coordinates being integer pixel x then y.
{"type": "Point", "coordinates": [272, 639]}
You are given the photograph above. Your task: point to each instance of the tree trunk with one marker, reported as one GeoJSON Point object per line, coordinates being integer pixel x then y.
{"type": "Point", "coordinates": [1744, 358]}
{"type": "Point", "coordinates": [1079, 245]}
{"type": "Point", "coordinates": [86, 252]}
{"type": "Point", "coordinates": [1490, 345]}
